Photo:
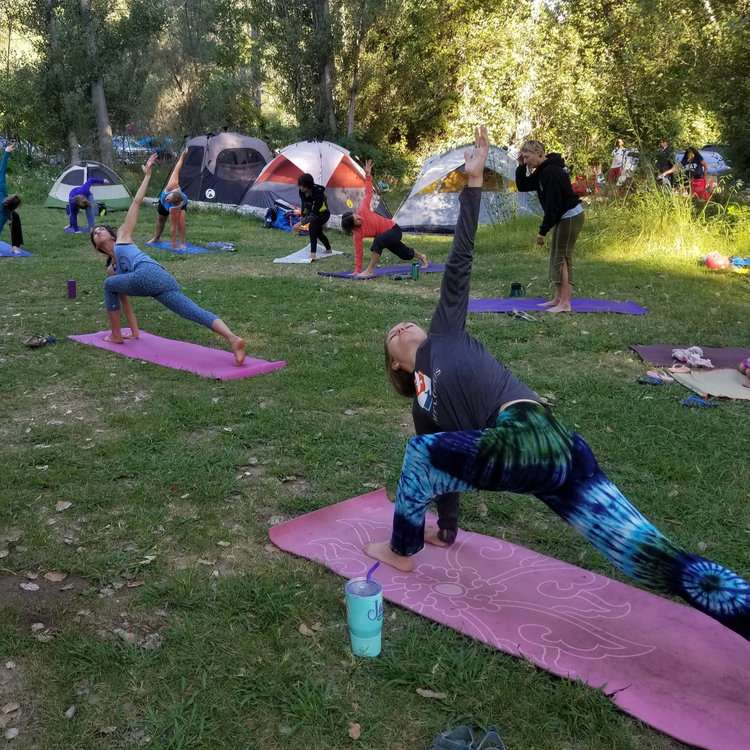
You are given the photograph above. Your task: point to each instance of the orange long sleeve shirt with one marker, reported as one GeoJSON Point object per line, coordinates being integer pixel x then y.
{"type": "Point", "coordinates": [372, 225]}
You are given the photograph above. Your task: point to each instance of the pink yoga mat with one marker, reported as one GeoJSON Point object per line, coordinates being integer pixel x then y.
{"type": "Point", "coordinates": [181, 355]}
{"type": "Point", "coordinates": [664, 663]}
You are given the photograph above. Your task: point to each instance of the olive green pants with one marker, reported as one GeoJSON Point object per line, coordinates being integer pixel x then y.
{"type": "Point", "coordinates": [564, 237]}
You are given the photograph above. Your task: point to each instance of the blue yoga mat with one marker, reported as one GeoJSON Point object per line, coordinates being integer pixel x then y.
{"type": "Point", "coordinates": [385, 271]}
{"type": "Point", "coordinates": [190, 249]}
{"type": "Point", "coordinates": [6, 252]}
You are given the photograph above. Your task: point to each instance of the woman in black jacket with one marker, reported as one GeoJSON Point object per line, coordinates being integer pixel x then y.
{"type": "Point", "coordinates": [314, 212]}
{"type": "Point", "coordinates": [563, 213]}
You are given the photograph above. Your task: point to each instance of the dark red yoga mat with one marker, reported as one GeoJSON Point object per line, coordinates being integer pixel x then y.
{"type": "Point", "coordinates": [182, 355]}
{"type": "Point", "coordinates": [532, 304]}
{"type": "Point", "coordinates": [661, 355]}
{"type": "Point", "coordinates": [664, 663]}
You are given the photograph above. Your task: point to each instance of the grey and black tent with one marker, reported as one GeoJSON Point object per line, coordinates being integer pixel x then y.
{"type": "Point", "coordinates": [222, 168]}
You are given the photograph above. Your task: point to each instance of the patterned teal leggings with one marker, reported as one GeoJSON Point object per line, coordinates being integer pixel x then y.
{"type": "Point", "coordinates": [529, 452]}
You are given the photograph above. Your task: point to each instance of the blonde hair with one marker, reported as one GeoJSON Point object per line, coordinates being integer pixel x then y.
{"type": "Point", "coordinates": [175, 198]}
{"type": "Point", "coordinates": [534, 147]}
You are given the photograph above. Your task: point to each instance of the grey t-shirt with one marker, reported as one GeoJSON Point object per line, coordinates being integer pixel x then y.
{"type": "Point", "coordinates": [460, 385]}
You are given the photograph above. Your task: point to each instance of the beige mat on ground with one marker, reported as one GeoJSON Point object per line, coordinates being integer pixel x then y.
{"type": "Point", "coordinates": [720, 383]}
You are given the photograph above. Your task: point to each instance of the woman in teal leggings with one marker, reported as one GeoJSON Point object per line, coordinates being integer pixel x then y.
{"type": "Point", "coordinates": [134, 273]}
{"type": "Point", "coordinates": [480, 428]}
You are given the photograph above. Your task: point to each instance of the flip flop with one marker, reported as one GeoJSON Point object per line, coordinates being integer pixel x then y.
{"type": "Point", "coordinates": [695, 401]}
{"type": "Point", "coordinates": [661, 375]}
{"type": "Point", "coordinates": [37, 342]}
{"type": "Point", "coordinates": [521, 315]}
{"type": "Point", "coordinates": [680, 369]}
{"type": "Point", "coordinates": [649, 380]}
{"type": "Point", "coordinates": [460, 738]}
{"type": "Point", "coordinates": [491, 741]}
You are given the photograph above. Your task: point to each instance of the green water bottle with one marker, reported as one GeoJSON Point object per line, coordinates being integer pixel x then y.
{"type": "Point", "coordinates": [415, 270]}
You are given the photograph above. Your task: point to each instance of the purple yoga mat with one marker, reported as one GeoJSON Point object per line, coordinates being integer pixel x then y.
{"type": "Point", "coordinates": [385, 271]}
{"type": "Point", "coordinates": [531, 304]}
{"type": "Point", "coordinates": [660, 355]}
{"type": "Point", "coordinates": [664, 663]}
{"type": "Point", "coordinates": [180, 355]}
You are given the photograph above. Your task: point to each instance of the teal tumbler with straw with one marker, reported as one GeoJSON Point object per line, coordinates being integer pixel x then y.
{"type": "Point", "coordinates": [364, 614]}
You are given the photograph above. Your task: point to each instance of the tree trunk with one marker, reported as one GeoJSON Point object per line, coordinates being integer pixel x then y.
{"type": "Point", "coordinates": [98, 97]}
{"type": "Point", "coordinates": [75, 149]}
{"type": "Point", "coordinates": [256, 76]}
{"type": "Point", "coordinates": [354, 86]}
{"type": "Point", "coordinates": [103, 127]}
{"type": "Point", "coordinates": [326, 112]}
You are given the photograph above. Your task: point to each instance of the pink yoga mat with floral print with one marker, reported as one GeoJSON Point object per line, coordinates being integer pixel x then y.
{"type": "Point", "coordinates": [666, 664]}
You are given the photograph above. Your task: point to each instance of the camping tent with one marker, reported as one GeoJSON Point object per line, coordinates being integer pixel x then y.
{"type": "Point", "coordinates": [432, 204]}
{"type": "Point", "coordinates": [330, 165]}
{"type": "Point", "coordinates": [221, 168]}
{"type": "Point", "coordinates": [114, 195]}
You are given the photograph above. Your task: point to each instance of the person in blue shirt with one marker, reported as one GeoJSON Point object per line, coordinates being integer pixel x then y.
{"type": "Point", "coordinates": [172, 203]}
{"type": "Point", "coordinates": [131, 272]}
{"type": "Point", "coordinates": [82, 198]}
{"type": "Point", "coordinates": [9, 204]}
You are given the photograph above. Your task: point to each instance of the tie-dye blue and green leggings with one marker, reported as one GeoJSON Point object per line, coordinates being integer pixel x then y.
{"type": "Point", "coordinates": [529, 452]}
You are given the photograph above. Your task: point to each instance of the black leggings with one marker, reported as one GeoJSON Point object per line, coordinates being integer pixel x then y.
{"type": "Point", "coordinates": [391, 240]}
{"type": "Point", "coordinates": [16, 233]}
{"type": "Point", "coordinates": [316, 224]}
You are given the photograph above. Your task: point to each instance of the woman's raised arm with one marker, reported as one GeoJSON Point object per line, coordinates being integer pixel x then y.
{"type": "Point", "coordinates": [125, 232]}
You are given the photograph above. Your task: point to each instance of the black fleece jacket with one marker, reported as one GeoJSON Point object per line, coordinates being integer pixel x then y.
{"type": "Point", "coordinates": [315, 203]}
{"type": "Point", "coordinates": [553, 187]}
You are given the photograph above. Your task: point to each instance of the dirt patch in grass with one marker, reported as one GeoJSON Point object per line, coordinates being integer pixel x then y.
{"type": "Point", "coordinates": [16, 706]}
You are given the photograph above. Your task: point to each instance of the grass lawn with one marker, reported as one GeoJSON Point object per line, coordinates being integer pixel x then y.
{"type": "Point", "coordinates": [153, 490]}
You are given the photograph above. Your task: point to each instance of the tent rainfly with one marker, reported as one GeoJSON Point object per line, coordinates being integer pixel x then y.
{"type": "Point", "coordinates": [432, 204]}
{"type": "Point", "coordinates": [113, 194]}
{"type": "Point", "coordinates": [330, 165]}
{"type": "Point", "coordinates": [222, 168]}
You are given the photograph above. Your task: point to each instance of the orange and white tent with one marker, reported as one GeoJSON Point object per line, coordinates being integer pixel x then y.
{"type": "Point", "coordinates": [330, 165]}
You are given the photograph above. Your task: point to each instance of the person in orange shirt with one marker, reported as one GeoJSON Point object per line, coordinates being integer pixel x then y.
{"type": "Point", "coordinates": [387, 234]}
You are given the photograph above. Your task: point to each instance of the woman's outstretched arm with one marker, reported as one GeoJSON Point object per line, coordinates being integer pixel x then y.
{"type": "Point", "coordinates": [173, 183]}
{"type": "Point", "coordinates": [450, 313]}
{"type": "Point", "coordinates": [125, 232]}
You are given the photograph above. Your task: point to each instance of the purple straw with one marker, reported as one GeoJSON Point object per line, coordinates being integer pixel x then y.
{"type": "Point", "coordinates": [372, 570]}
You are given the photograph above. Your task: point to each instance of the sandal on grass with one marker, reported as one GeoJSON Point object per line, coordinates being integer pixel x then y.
{"type": "Point", "coordinates": [695, 401]}
{"type": "Point", "coordinates": [36, 342]}
{"type": "Point", "coordinates": [650, 380]}
{"type": "Point", "coordinates": [661, 375]}
{"type": "Point", "coordinates": [460, 738]}
{"type": "Point", "coordinates": [491, 741]}
{"type": "Point", "coordinates": [521, 315]}
{"type": "Point", "coordinates": [468, 738]}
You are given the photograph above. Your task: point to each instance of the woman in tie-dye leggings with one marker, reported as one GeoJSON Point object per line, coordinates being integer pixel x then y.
{"type": "Point", "coordinates": [482, 429]}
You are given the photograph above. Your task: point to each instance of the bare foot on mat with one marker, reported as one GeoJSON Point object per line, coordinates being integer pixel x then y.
{"type": "Point", "coordinates": [382, 551]}
{"type": "Point", "coordinates": [238, 347]}
{"type": "Point", "coordinates": [549, 303]}
{"type": "Point", "coordinates": [431, 537]}
{"type": "Point", "coordinates": [114, 339]}
{"type": "Point", "coordinates": [560, 308]}
{"type": "Point", "coordinates": [364, 275]}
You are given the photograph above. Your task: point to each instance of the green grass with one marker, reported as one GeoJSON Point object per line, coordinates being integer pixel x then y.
{"type": "Point", "coordinates": [151, 461]}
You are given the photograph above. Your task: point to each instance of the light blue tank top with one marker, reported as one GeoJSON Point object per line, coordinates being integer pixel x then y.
{"type": "Point", "coordinates": [167, 206]}
{"type": "Point", "coordinates": [129, 257]}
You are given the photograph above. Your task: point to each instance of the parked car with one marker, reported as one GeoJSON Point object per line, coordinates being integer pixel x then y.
{"type": "Point", "coordinates": [128, 149]}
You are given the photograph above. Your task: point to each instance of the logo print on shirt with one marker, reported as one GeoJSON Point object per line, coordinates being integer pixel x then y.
{"type": "Point", "coordinates": [423, 385]}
